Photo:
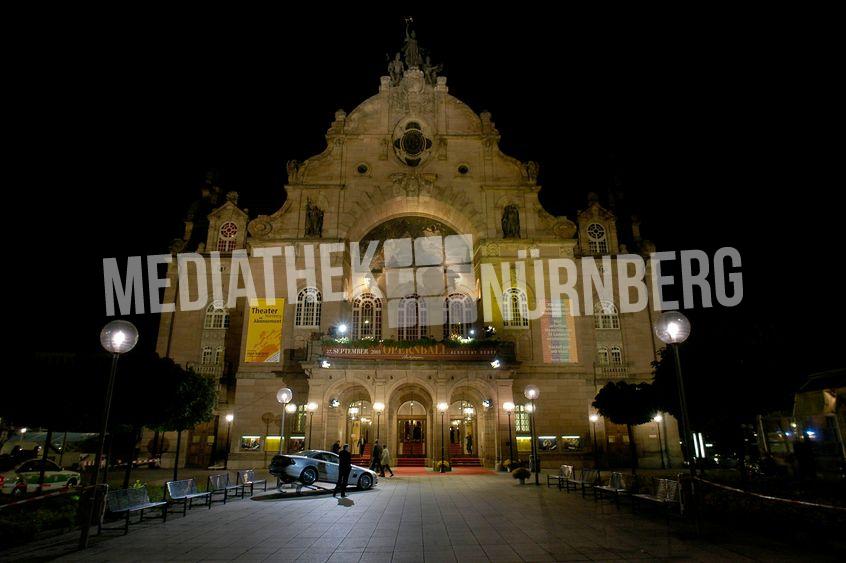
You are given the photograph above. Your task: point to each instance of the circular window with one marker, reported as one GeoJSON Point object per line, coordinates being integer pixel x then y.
{"type": "Point", "coordinates": [463, 169]}
{"type": "Point", "coordinates": [596, 231]}
{"type": "Point", "coordinates": [413, 143]}
{"type": "Point", "coordinates": [362, 169]}
{"type": "Point", "coordinates": [229, 229]}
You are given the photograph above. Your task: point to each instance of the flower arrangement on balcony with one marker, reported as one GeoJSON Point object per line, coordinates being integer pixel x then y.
{"type": "Point", "coordinates": [461, 342]}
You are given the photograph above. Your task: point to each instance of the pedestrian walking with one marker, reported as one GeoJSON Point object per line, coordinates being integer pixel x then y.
{"type": "Point", "coordinates": [344, 466]}
{"type": "Point", "coordinates": [385, 461]}
{"type": "Point", "coordinates": [361, 444]}
{"type": "Point", "coordinates": [376, 459]}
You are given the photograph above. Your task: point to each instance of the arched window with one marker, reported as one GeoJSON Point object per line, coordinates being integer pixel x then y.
{"type": "Point", "coordinates": [216, 316]}
{"type": "Point", "coordinates": [516, 308]}
{"type": "Point", "coordinates": [605, 315]}
{"type": "Point", "coordinates": [597, 239]}
{"type": "Point", "coordinates": [616, 356]}
{"type": "Point", "coordinates": [218, 356]}
{"type": "Point", "coordinates": [521, 419]}
{"type": "Point", "coordinates": [411, 318]}
{"type": "Point", "coordinates": [367, 317]}
{"type": "Point", "coordinates": [458, 315]}
{"type": "Point", "coordinates": [226, 237]}
{"type": "Point", "coordinates": [602, 356]}
{"type": "Point", "coordinates": [207, 355]}
{"type": "Point", "coordinates": [308, 308]}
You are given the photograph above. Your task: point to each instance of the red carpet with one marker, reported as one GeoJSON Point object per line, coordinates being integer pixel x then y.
{"type": "Point", "coordinates": [420, 471]}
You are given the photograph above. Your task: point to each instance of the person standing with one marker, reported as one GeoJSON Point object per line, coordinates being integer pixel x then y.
{"type": "Point", "coordinates": [344, 466]}
{"type": "Point", "coordinates": [385, 462]}
{"type": "Point", "coordinates": [469, 444]}
{"type": "Point", "coordinates": [376, 459]}
{"type": "Point", "coordinates": [336, 447]}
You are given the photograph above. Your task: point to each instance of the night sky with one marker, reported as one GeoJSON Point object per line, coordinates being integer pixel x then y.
{"type": "Point", "coordinates": [719, 135]}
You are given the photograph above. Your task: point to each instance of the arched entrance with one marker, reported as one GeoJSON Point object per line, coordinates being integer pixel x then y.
{"type": "Point", "coordinates": [409, 424]}
{"type": "Point", "coordinates": [412, 429]}
{"type": "Point", "coordinates": [463, 432]}
{"type": "Point", "coordinates": [359, 422]}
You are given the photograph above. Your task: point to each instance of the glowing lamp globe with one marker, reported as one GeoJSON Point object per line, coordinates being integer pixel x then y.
{"type": "Point", "coordinates": [593, 417]}
{"type": "Point", "coordinates": [290, 408]}
{"type": "Point", "coordinates": [311, 407]}
{"type": "Point", "coordinates": [284, 395]}
{"type": "Point", "coordinates": [230, 417]}
{"type": "Point", "coordinates": [531, 392]}
{"type": "Point", "coordinates": [119, 337]}
{"type": "Point", "coordinates": [672, 327]}
{"type": "Point", "coordinates": [379, 407]}
{"type": "Point", "coordinates": [443, 407]}
{"type": "Point", "coordinates": [508, 406]}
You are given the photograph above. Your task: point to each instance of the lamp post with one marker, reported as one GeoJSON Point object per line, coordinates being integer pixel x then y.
{"type": "Point", "coordinates": [593, 419]}
{"type": "Point", "coordinates": [229, 418]}
{"type": "Point", "coordinates": [657, 420]}
{"type": "Point", "coordinates": [117, 337]}
{"type": "Point", "coordinates": [378, 407]}
{"type": "Point", "coordinates": [442, 407]}
{"type": "Point", "coordinates": [532, 392]}
{"type": "Point", "coordinates": [673, 328]}
{"type": "Point", "coordinates": [311, 407]}
{"type": "Point", "coordinates": [283, 397]}
{"type": "Point", "coordinates": [508, 407]}
{"type": "Point", "coordinates": [21, 433]}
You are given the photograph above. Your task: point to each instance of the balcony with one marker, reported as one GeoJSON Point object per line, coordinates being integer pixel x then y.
{"type": "Point", "coordinates": [613, 371]}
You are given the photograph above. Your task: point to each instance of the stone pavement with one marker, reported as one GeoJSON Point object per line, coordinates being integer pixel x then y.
{"type": "Point", "coordinates": [420, 518]}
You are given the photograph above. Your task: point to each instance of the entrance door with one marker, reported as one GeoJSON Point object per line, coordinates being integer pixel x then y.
{"type": "Point", "coordinates": [462, 429]}
{"type": "Point", "coordinates": [411, 430]}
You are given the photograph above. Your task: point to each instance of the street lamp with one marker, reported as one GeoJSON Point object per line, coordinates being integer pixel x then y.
{"type": "Point", "coordinates": [508, 407]}
{"type": "Point", "coordinates": [283, 397]}
{"type": "Point", "coordinates": [378, 407]}
{"type": "Point", "coordinates": [311, 407]}
{"type": "Point", "coordinates": [657, 420]}
{"type": "Point", "coordinates": [117, 337]}
{"type": "Point", "coordinates": [532, 392]}
{"type": "Point", "coordinates": [593, 419]}
{"type": "Point", "coordinates": [673, 328]}
{"type": "Point", "coordinates": [229, 418]}
{"type": "Point", "coordinates": [442, 407]}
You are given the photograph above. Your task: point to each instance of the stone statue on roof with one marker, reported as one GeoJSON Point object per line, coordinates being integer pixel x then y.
{"type": "Point", "coordinates": [411, 49]}
{"type": "Point", "coordinates": [395, 70]}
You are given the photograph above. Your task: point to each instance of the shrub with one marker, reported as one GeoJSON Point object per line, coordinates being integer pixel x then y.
{"type": "Point", "coordinates": [521, 473]}
{"type": "Point", "coordinates": [436, 466]}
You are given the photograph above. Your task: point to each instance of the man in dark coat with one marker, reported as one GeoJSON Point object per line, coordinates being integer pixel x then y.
{"type": "Point", "coordinates": [376, 459]}
{"type": "Point", "coordinates": [336, 447]}
{"type": "Point", "coordinates": [344, 466]}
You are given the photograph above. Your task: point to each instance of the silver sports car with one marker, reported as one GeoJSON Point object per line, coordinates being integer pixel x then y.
{"type": "Point", "coordinates": [317, 465]}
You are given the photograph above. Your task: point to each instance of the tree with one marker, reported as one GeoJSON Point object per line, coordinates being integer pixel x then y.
{"type": "Point", "coordinates": [628, 404]}
{"type": "Point", "coordinates": [188, 399]}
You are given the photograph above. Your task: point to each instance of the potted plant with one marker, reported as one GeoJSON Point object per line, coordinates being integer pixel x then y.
{"type": "Point", "coordinates": [436, 466]}
{"type": "Point", "coordinates": [521, 473]}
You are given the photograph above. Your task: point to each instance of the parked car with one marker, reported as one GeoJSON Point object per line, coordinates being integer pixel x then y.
{"type": "Point", "coordinates": [22, 478]}
{"type": "Point", "coordinates": [310, 466]}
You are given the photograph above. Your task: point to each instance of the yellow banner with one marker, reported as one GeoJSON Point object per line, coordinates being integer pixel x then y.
{"type": "Point", "coordinates": [264, 332]}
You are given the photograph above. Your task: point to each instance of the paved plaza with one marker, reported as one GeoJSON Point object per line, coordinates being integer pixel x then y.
{"type": "Point", "coordinates": [432, 517]}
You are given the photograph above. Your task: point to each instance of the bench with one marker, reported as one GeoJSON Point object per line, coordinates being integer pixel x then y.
{"type": "Point", "coordinates": [587, 479]}
{"type": "Point", "coordinates": [247, 478]}
{"type": "Point", "coordinates": [126, 501]}
{"type": "Point", "coordinates": [185, 491]}
{"type": "Point", "coordinates": [666, 494]}
{"type": "Point", "coordinates": [218, 484]}
{"type": "Point", "coordinates": [617, 486]}
{"type": "Point", "coordinates": [564, 473]}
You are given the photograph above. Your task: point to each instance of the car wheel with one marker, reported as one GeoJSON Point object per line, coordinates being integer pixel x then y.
{"type": "Point", "coordinates": [71, 483]}
{"type": "Point", "coordinates": [365, 481]}
{"type": "Point", "coordinates": [308, 476]}
{"type": "Point", "coordinates": [18, 491]}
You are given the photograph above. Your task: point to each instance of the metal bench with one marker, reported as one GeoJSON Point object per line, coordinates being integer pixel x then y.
{"type": "Point", "coordinates": [218, 484]}
{"type": "Point", "coordinates": [564, 473]}
{"type": "Point", "coordinates": [587, 479]}
{"type": "Point", "coordinates": [617, 486]}
{"type": "Point", "coordinates": [185, 491]}
{"type": "Point", "coordinates": [247, 478]}
{"type": "Point", "coordinates": [126, 501]}
{"type": "Point", "coordinates": [666, 494]}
